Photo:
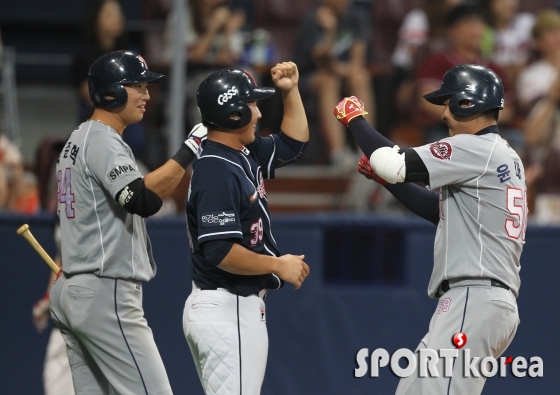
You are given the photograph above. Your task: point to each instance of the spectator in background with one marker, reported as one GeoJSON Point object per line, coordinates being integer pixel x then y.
{"type": "Point", "coordinates": [465, 27]}
{"type": "Point", "coordinates": [11, 174]}
{"type": "Point", "coordinates": [213, 40]}
{"type": "Point", "coordinates": [331, 52]}
{"type": "Point", "coordinates": [507, 38]}
{"type": "Point", "coordinates": [423, 27]}
{"type": "Point", "coordinates": [538, 90]}
{"type": "Point", "coordinates": [103, 32]}
{"type": "Point", "coordinates": [422, 32]}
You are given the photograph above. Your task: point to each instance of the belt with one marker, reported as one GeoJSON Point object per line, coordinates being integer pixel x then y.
{"type": "Point", "coordinates": [261, 294]}
{"type": "Point", "coordinates": [446, 285]}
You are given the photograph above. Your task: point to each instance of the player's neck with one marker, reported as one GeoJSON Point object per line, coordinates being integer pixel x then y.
{"type": "Point", "coordinates": [108, 119]}
{"type": "Point", "coordinates": [232, 140]}
{"type": "Point", "coordinates": [475, 127]}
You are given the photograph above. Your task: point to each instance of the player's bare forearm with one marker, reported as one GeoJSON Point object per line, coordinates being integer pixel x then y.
{"type": "Point", "coordinates": [245, 262]}
{"type": "Point", "coordinates": [164, 179]}
{"type": "Point", "coordinates": [294, 123]}
{"type": "Point", "coordinates": [290, 268]}
{"type": "Point", "coordinates": [285, 76]}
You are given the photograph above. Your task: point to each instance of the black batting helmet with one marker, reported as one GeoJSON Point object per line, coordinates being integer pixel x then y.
{"type": "Point", "coordinates": [477, 84]}
{"type": "Point", "coordinates": [226, 92]}
{"type": "Point", "coordinates": [107, 75]}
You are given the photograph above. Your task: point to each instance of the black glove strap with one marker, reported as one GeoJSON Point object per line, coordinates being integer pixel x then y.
{"type": "Point", "coordinates": [184, 156]}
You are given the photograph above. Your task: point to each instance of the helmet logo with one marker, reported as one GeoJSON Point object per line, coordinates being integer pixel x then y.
{"type": "Point", "coordinates": [143, 61]}
{"type": "Point", "coordinates": [224, 97]}
{"type": "Point", "coordinates": [502, 102]}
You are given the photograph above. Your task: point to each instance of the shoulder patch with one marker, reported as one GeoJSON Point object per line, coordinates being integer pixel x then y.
{"type": "Point", "coordinates": [119, 170]}
{"type": "Point", "coordinates": [441, 150]}
{"type": "Point", "coordinates": [218, 218]}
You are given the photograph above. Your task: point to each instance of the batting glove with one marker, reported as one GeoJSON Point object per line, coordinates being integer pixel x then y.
{"type": "Point", "coordinates": [348, 109]}
{"type": "Point", "coordinates": [365, 168]}
{"type": "Point", "coordinates": [41, 312]}
{"type": "Point", "coordinates": [196, 137]}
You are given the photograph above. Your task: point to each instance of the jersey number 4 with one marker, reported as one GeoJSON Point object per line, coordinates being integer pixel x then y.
{"type": "Point", "coordinates": [517, 206]}
{"type": "Point", "coordinates": [64, 191]}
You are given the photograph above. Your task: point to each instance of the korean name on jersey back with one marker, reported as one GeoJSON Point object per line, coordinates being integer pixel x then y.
{"type": "Point", "coordinates": [119, 170]}
{"type": "Point", "coordinates": [218, 218]}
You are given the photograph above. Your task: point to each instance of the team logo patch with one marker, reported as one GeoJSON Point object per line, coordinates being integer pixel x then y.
{"type": "Point", "coordinates": [444, 305]}
{"type": "Point", "coordinates": [441, 150]}
{"type": "Point", "coordinates": [119, 170]}
{"type": "Point", "coordinates": [218, 218]}
{"type": "Point", "coordinates": [263, 314]}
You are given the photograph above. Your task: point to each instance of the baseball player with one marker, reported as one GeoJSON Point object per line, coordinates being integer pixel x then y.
{"type": "Point", "coordinates": [103, 201]}
{"type": "Point", "coordinates": [480, 210]}
{"type": "Point", "coordinates": [235, 258]}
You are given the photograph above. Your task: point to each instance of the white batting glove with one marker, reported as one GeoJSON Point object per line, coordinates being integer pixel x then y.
{"type": "Point", "coordinates": [196, 136]}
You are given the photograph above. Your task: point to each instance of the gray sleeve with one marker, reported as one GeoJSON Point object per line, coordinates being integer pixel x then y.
{"type": "Point", "coordinates": [456, 160]}
{"type": "Point", "coordinates": [110, 162]}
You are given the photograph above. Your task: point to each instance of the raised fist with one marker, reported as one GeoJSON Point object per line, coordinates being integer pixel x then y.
{"type": "Point", "coordinates": [348, 109]}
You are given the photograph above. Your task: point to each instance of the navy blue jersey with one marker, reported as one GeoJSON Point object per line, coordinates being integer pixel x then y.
{"type": "Point", "coordinates": [227, 201]}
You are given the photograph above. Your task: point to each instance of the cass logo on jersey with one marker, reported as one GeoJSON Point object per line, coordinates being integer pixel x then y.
{"type": "Point", "coordinates": [441, 150]}
{"type": "Point", "coordinates": [220, 218]}
{"type": "Point", "coordinates": [224, 97]}
{"type": "Point", "coordinates": [119, 170]}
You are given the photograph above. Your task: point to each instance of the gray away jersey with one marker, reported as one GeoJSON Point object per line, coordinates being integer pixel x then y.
{"type": "Point", "coordinates": [98, 235]}
{"type": "Point", "coordinates": [483, 208]}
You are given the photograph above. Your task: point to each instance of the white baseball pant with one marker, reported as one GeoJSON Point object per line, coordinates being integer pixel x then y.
{"type": "Point", "coordinates": [228, 340]}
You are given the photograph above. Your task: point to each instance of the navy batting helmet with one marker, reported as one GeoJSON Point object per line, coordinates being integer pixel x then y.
{"type": "Point", "coordinates": [477, 84]}
{"type": "Point", "coordinates": [107, 75]}
{"type": "Point", "coordinates": [225, 93]}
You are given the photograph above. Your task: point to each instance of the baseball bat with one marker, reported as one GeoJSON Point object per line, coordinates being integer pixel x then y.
{"type": "Point", "coordinates": [26, 233]}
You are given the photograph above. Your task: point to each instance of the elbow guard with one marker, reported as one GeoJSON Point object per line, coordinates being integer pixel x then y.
{"type": "Point", "coordinates": [389, 164]}
{"type": "Point", "coordinates": [137, 199]}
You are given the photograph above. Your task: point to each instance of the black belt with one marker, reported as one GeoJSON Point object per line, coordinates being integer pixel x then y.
{"type": "Point", "coordinates": [216, 288]}
{"type": "Point", "coordinates": [444, 286]}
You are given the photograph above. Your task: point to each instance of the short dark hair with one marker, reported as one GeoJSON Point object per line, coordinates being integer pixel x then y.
{"type": "Point", "coordinates": [462, 12]}
{"type": "Point", "coordinates": [492, 114]}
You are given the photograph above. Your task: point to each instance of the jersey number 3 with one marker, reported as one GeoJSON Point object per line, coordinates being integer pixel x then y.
{"type": "Point", "coordinates": [64, 191]}
{"type": "Point", "coordinates": [517, 206]}
{"type": "Point", "coordinates": [257, 230]}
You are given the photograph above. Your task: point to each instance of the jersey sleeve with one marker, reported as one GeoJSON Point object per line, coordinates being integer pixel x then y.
{"type": "Point", "coordinates": [455, 160]}
{"type": "Point", "coordinates": [217, 201]}
{"type": "Point", "coordinates": [276, 150]}
{"type": "Point", "coordinates": [110, 162]}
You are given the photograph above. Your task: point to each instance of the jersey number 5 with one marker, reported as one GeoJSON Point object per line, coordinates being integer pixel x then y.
{"type": "Point", "coordinates": [64, 191]}
{"type": "Point", "coordinates": [517, 206]}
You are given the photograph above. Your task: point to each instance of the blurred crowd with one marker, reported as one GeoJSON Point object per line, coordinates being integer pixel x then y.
{"type": "Point", "coordinates": [387, 52]}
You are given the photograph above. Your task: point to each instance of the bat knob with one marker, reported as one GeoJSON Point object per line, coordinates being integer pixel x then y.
{"type": "Point", "coordinates": [22, 229]}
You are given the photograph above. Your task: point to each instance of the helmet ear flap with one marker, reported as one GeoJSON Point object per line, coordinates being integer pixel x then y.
{"type": "Point", "coordinates": [224, 120]}
{"type": "Point", "coordinates": [463, 112]}
{"type": "Point", "coordinates": [98, 98]}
